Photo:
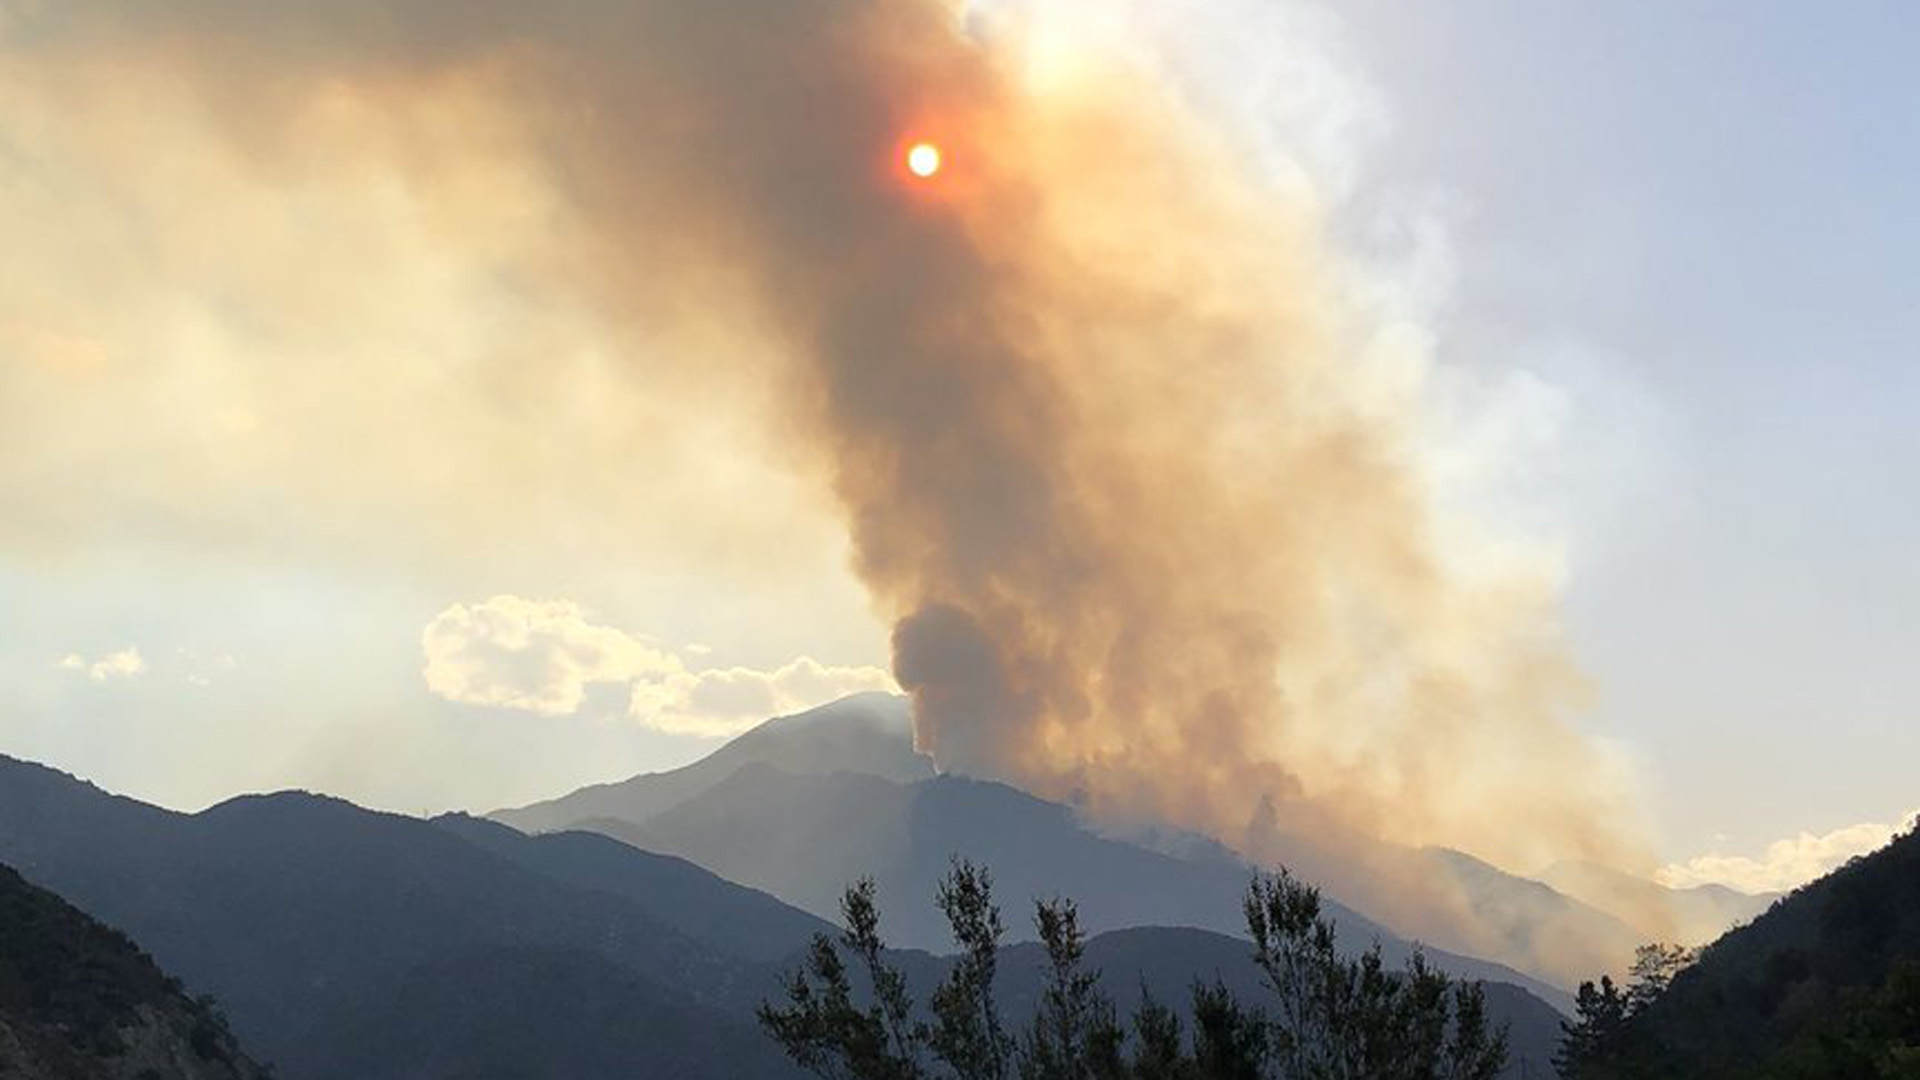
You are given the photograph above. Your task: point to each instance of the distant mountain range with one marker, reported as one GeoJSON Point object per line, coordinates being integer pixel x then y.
{"type": "Point", "coordinates": [78, 1001]}
{"type": "Point", "coordinates": [802, 804]}
{"type": "Point", "coordinates": [803, 838]}
{"type": "Point", "coordinates": [348, 943]}
{"type": "Point", "coordinates": [805, 804]}
{"type": "Point", "coordinates": [1691, 916]}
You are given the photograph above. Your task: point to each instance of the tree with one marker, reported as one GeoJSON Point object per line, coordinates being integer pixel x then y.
{"type": "Point", "coordinates": [1476, 1051]}
{"type": "Point", "coordinates": [1230, 1041]}
{"type": "Point", "coordinates": [1422, 1045]}
{"type": "Point", "coordinates": [822, 1029]}
{"type": "Point", "coordinates": [1654, 967]}
{"type": "Point", "coordinates": [1333, 1018]}
{"type": "Point", "coordinates": [1589, 1043]}
{"type": "Point", "coordinates": [1156, 1031]}
{"type": "Point", "coordinates": [1349, 1019]}
{"type": "Point", "coordinates": [892, 1009]}
{"type": "Point", "coordinates": [1294, 947]}
{"type": "Point", "coordinates": [1074, 1034]}
{"type": "Point", "coordinates": [1603, 1037]}
{"type": "Point", "coordinates": [966, 1032]}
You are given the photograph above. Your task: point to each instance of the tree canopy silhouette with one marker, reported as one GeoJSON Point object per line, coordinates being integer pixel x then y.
{"type": "Point", "coordinates": [847, 1013]}
{"type": "Point", "coordinates": [1824, 986]}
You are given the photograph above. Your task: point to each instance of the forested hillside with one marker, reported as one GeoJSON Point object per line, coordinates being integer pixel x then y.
{"type": "Point", "coordinates": [79, 1001]}
{"type": "Point", "coordinates": [349, 943]}
{"type": "Point", "coordinates": [1824, 986]}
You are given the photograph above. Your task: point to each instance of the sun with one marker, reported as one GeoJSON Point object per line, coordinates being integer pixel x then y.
{"type": "Point", "coordinates": [923, 159]}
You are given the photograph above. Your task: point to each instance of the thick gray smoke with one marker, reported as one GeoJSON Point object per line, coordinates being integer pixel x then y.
{"type": "Point", "coordinates": [1094, 401]}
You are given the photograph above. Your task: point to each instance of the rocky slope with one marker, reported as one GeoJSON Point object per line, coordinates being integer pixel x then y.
{"type": "Point", "coordinates": [79, 1001]}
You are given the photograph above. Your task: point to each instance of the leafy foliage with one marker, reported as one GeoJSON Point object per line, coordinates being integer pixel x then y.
{"type": "Point", "coordinates": [1824, 986]}
{"type": "Point", "coordinates": [1327, 1016]}
{"type": "Point", "coordinates": [1593, 1039]}
{"type": "Point", "coordinates": [1342, 1019]}
{"type": "Point", "coordinates": [1075, 1034]}
{"type": "Point", "coordinates": [967, 1034]}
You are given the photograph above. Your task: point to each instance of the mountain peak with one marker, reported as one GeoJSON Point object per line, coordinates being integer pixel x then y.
{"type": "Point", "coordinates": [869, 733]}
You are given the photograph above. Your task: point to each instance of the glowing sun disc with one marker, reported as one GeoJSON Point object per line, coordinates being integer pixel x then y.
{"type": "Point", "coordinates": [923, 159]}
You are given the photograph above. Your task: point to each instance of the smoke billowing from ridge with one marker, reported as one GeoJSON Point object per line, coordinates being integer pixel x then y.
{"type": "Point", "coordinates": [1120, 457]}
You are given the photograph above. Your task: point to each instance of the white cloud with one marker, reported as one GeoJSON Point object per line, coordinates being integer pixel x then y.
{"type": "Point", "coordinates": [541, 656]}
{"type": "Point", "coordinates": [722, 701]}
{"type": "Point", "coordinates": [125, 663]}
{"type": "Point", "coordinates": [1785, 864]}
{"type": "Point", "coordinates": [536, 655]}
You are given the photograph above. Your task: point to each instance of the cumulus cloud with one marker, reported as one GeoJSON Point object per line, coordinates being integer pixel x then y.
{"type": "Point", "coordinates": [535, 655]}
{"type": "Point", "coordinates": [1785, 864]}
{"type": "Point", "coordinates": [125, 663]}
{"type": "Point", "coordinates": [541, 656]}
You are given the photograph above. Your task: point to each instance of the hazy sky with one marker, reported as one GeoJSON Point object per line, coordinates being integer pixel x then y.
{"type": "Point", "coordinates": [1698, 222]}
{"type": "Point", "coordinates": [1663, 252]}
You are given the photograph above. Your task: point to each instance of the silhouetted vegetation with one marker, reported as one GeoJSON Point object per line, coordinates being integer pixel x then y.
{"type": "Point", "coordinates": [75, 996]}
{"type": "Point", "coordinates": [847, 1013]}
{"type": "Point", "coordinates": [346, 943]}
{"type": "Point", "coordinates": [1824, 986]}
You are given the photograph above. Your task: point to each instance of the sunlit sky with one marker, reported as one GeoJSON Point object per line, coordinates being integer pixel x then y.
{"type": "Point", "coordinates": [1674, 245]}
{"type": "Point", "coordinates": [1698, 222]}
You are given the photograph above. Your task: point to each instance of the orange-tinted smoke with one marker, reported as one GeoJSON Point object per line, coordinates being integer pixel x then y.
{"type": "Point", "coordinates": [1108, 430]}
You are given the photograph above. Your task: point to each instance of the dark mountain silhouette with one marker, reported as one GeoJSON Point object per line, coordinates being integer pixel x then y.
{"type": "Point", "coordinates": [1826, 983]}
{"type": "Point", "coordinates": [802, 838]}
{"type": "Point", "coordinates": [352, 943]}
{"type": "Point", "coordinates": [327, 930]}
{"type": "Point", "coordinates": [715, 913]}
{"type": "Point", "coordinates": [1545, 932]}
{"type": "Point", "coordinates": [798, 807]}
{"type": "Point", "coordinates": [529, 1012]}
{"type": "Point", "coordinates": [79, 1001]}
{"type": "Point", "coordinates": [1165, 958]}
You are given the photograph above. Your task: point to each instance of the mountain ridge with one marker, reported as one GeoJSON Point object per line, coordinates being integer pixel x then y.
{"type": "Point", "coordinates": [1475, 909]}
{"type": "Point", "coordinates": [537, 972]}
{"type": "Point", "coordinates": [81, 1001]}
{"type": "Point", "coordinates": [803, 838]}
{"type": "Point", "coordinates": [837, 736]}
{"type": "Point", "coordinates": [311, 918]}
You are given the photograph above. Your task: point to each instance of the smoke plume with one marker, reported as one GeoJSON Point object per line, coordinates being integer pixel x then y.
{"type": "Point", "coordinates": [1122, 459]}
